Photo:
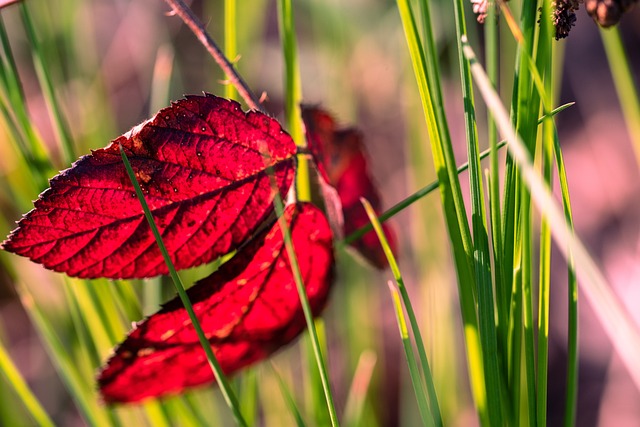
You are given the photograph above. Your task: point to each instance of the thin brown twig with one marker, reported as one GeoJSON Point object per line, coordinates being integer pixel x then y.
{"type": "Point", "coordinates": [192, 21]}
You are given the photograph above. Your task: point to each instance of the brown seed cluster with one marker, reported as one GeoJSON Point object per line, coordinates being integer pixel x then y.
{"type": "Point", "coordinates": [608, 12]}
{"type": "Point", "coordinates": [605, 12]}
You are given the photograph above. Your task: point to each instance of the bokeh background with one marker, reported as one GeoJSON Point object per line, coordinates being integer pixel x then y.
{"type": "Point", "coordinates": [115, 62]}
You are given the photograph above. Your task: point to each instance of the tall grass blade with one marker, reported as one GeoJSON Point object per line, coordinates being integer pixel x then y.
{"type": "Point", "coordinates": [623, 79]}
{"type": "Point", "coordinates": [46, 82]}
{"type": "Point", "coordinates": [420, 386]}
{"type": "Point", "coordinates": [359, 388]}
{"type": "Point", "coordinates": [79, 390]}
{"type": "Point", "coordinates": [293, 94]}
{"type": "Point", "coordinates": [15, 379]}
{"type": "Point", "coordinates": [230, 40]}
{"type": "Point", "coordinates": [306, 308]}
{"type": "Point", "coordinates": [289, 399]}
{"type": "Point", "coordinates": [571, 400]}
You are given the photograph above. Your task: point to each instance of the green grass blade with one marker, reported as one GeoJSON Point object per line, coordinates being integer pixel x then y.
{"type": "Point", "coordinates": [225, 388]}
{"type": "Point", "coordinates": [614, 318]}
{"type": "Point", "coordinates": [293, 94]}
{"type": "Point", "coordinates": [420, 386]}
{"type": "Point", "coordinates": [492, 48]}
{"type": "Point", "coordinates": [306, 308]}
{"type": "Point", "coordinates": [230, 40]}
{"type": "Point", "coordinates": [288, 397]}
{"type": "Point", "coordinates": [545, 62]}
{"type": "Point", "coordinates": [15, 379]}
{"type": "Point", "coordinates": [46, 82]}
{"type": "Point", "coordinates": [623, 78]}
{"type": "Point", "coordinates": [354, 405]}
{"type": "Point", "coordinates": [571, 400]}
{"type": "Point", "coordinates": [426, 416]}
{"type": "Point", "coordinates": [79, 390]}
{"type": "Point", "coordinates": [526, 257]}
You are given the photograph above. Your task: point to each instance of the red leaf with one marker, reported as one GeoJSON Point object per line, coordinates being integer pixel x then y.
{"type": "Point", "coordinates": [202, 166]}
{"type": "Point", "coordinates": [248, 309]}
{"type": "Point", "coordinates": [341, 160]}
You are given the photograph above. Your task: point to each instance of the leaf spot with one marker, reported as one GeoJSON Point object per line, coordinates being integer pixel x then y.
{"type": "Point", "coordinates": [147, 351]}
{"type": "Point", "coordinates": [168, 334]}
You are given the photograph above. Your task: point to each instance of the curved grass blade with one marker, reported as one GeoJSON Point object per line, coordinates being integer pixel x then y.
{"type": "Point", "coordinates": [431, 416]}
{"type": "Point", "coordinates": [15, 379]}
{"type": "Point", "coordinates": [359, 388]}
{"type": "Point", "coordinates": [78, 389]}
{"type": "Point", "coordinates": [288, 397]}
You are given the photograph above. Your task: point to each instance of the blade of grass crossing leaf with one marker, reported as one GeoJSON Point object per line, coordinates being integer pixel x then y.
{"type": "Point", "coordinates": [228, 394]}
{"type": "Point", "coordinates": [615, 319]}
{"type": "Point", "coordinates": [420, 386]}
{"type": "Point", "coordinates": [624, 82]}
{"type": "Point", "coordinates": [306, 308]}
{"type": "Point", "coordinates": [293, 94]}
{"type": "Point", "coordinates": [15, 379]}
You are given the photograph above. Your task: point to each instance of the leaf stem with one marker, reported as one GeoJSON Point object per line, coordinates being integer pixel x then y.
{"type": "Point", "coordinates": [192, 21]}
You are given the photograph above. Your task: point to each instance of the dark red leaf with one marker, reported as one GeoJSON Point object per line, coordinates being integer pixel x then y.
{"type": "Point", "coordinates": [202, 166]}
{"type": "Point", "coordinates": [248, 309]}
{"type": "Point", "coordinates": [341, 159]}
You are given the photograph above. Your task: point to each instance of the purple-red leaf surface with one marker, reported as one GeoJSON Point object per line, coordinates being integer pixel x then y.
{"type": "Point", "coordinates": [341, 161]}
{"type": "Point", "coordinates": [248, 309]}
{"type": "Point", "coordinates": [203, 167]}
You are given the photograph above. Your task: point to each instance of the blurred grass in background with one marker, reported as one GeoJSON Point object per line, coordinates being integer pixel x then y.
{"type": "Point", "coordinates": [100, 67]}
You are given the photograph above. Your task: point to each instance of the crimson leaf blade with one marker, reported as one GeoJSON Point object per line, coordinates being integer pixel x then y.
{"type": "Point", "coordinates": [248, 309]}
{"type": "Point", "coordinates": [341, 160]}
{"type": "Point", "coordinates": [204, 167]}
